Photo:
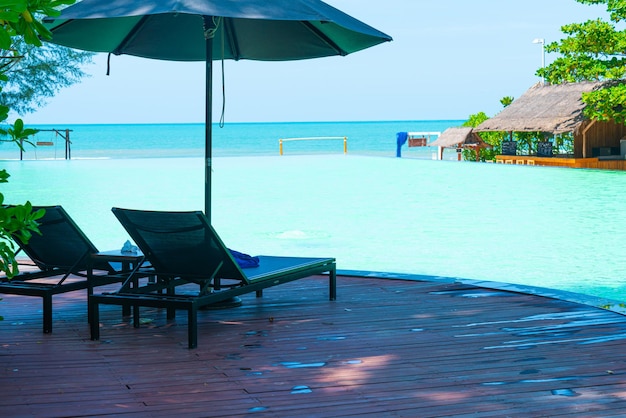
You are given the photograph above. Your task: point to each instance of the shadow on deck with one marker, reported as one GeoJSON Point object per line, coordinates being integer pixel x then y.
{"type": "Point", "coordinates": [384, 348]}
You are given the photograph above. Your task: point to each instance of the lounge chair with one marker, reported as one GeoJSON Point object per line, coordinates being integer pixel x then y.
{"type": "Point", "coordinates": [60, 257]}
{"type": "Point", "coordinates": [183, 248]}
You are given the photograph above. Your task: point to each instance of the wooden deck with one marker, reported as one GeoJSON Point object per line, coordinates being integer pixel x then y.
{"type": "Point", "coordinates": [384, 348]}
{"type": "Point", "coordinates": [591, 163]}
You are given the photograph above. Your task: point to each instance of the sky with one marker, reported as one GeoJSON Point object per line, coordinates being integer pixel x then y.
{"type": "Point", "coordinates": [448, 60]}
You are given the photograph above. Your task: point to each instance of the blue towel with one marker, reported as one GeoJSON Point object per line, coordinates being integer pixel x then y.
{"type": "Point", "coordinates": [401, 138]}
{"type": "Point", "coordinates": [245, 261]}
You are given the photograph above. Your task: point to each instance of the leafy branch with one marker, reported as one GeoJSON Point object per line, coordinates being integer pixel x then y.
{"type": "Point", "coordinates": [19, 23]}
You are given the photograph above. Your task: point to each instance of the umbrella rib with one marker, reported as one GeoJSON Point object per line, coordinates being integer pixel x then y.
{"type": "Point", "coordinates": [131, 35]}
{"type": "Point", "coordinates": [233, 42]}
{"type": "Point", "coordinates": [324, 38]}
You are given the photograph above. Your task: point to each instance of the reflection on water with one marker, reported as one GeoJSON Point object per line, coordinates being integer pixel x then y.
{"type": "Point", "coordinates": [550, 227]}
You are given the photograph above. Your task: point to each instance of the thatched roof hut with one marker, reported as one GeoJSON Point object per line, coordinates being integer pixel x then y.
{"type": "Point", "coordinates": [461, 137]}
{"type": "Point", "coordinates": [543, 108]}
{"type": "Point", "coordinates": [557, 109]}
{"type": "Point", "coordinates": [453, 138]}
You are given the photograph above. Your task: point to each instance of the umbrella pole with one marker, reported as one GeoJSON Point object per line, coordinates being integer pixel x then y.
{"type": "Point", "coordinates": [209, 27]}
{"type": "Point", "coordinates": [208, 135]}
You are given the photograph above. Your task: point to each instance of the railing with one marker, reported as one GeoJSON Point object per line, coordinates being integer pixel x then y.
{"type": "Point", "coordinates": [345, 141]}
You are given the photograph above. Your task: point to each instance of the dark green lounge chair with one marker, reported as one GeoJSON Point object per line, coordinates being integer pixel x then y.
{"type": "Point", "coordinates": [61, 256]}
{"type": "Point", "coordinates": [183, 248]}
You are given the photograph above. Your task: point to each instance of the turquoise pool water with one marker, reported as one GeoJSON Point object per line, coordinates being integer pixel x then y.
{"type": "Point", "coordinates": [550, 227]}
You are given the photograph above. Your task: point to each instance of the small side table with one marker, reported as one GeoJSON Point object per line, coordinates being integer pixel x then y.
{"type": "Point", "coordinates": [129, 262]}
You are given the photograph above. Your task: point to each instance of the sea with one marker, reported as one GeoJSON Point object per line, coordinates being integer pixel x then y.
{"type": "Point", "coordinates": [373, 211]}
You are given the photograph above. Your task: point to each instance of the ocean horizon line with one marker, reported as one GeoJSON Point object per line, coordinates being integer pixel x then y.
{"type": "Point", "coordinates": [250, 122]}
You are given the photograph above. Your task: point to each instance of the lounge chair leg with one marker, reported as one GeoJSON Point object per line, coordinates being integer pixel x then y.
{"type": "Point", "coordinates": [192, 332]}
{"type": "Point", "coordinates": [332, 283]}
{"type": "Point", "coordinates": [136, 316]}
{"type": "Point", "coordinates": [171, 312]}
{"type": "Point", "coordinates": [89, 294]}
{"type": "Point", "coordinates": [94, 309]}
{"type": "Point", "coordinates": [259, 293]}
{"type": "Point", "coordinates": [47, 314]}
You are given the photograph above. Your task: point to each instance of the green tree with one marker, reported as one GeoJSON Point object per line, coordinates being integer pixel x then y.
{"type": "Point", "coordinates": [506, 100]}
{"type": "Point", "coordinates": [594, 51]}
{"type": "Point", "coordinates": [17, 23]}
{"type": "Point", "coordinates": [40, 73]}
{"type": "Point", "coordinates": [493, 138]}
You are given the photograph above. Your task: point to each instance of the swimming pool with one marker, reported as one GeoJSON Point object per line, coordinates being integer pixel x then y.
{"type": "Point", "coordinates": [539, 226]}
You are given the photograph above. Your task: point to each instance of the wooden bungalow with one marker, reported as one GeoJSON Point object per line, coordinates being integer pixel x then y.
{"type": "Point", "coordinates": [558, 109]}
{"type": "Point", "coordinates": [459, 138]}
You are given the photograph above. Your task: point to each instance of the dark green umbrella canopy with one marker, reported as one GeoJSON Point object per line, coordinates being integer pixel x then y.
{"type": "Point", "coordinates": [204, 30]}
{"type": "Point", "coordinates": [268, 30]}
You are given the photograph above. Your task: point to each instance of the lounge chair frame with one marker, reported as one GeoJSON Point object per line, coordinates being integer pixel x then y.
{"type": "Point", "coordinates": [206, 262]}
{"type": "Point", "coordinates": [60, 251]}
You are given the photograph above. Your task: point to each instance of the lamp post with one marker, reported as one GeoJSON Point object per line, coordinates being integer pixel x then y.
{"type": "Point", "coordinates": [543, 55]}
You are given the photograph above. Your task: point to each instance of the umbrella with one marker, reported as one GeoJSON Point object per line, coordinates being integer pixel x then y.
{"type": "Point", "coordinates": [186, 30]}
